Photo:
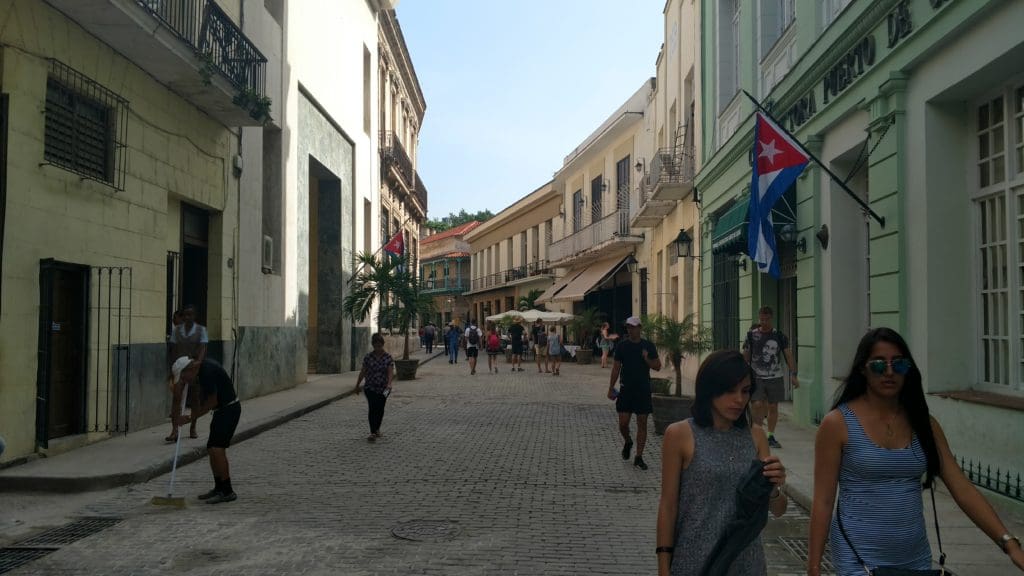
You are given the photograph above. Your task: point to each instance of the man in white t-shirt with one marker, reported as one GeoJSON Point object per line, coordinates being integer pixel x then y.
{"type": "Point", "coordinates": [474, 337]}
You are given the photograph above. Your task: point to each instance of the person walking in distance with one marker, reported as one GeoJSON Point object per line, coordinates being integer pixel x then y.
{"type": "Point", "coordinates": [555, 351]}
{"type": "Point", "coordinates": [493, 343]}
{"type": "Point", "coordinates": [516, 333]}
{"type": "Point", "coordinates": [452, 339]}
{"type": "Point", "coordinates": [635, 357]}
{"type": "Point", "coordinates": [875, 452]}
{"type": "Point", "coordinates": [606, 343]}
{"type": "Point", "coordinates": [444, 339]}
{"type": "Point", "coordinates": [473, 337]}
{"type": "Point", "coordinates": [707, 462]}
{"type": "Point", "coordinates": [540, 346]}
{"type": "Point", "coordinates": [378, 372]}
{"type": "Point", "coordinates": [217, 394]}
{"type": "Point", "coordinates": [429, 332]}
{"type": "Point", "coordinates": [762, 349]}
{"type": "Point", "coordinates": [188, 338]}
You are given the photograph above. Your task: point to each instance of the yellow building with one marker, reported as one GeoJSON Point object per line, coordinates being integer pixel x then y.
{"type": "Point", "coordinates": [119, 179]}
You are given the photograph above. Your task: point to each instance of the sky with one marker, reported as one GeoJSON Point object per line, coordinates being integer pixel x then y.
{"type": "Point", "coordinates": [512, 87]}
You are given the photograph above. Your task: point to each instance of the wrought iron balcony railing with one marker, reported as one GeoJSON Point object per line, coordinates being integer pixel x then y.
{"type": "Point", "coordinates": [499, 279]}
{"type": "Point", "coordinates": [392, 153]}
{"type": "Point", "coordinates": [614, 226]}
{"type": "Point", "coordinates": [420, 191]}
{"type": "Point", "coordinates": [671, 174]}
{"type": "Point", "coordinates": [217, 40]}
{"type": "Point", "coordinates": [449, 284]}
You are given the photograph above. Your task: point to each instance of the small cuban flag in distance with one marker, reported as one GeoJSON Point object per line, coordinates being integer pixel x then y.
{"type": "Point", "coordinates": [778, 160]}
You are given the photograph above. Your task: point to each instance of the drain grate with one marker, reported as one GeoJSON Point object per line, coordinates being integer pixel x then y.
{"type": "Point", "coordinates": [425, 531]}
{"type": "Point", "coordinates": [798, 547]}
{"type": "Point", "coordinates": [11, 558]}
{"type": "Point", "coordinates": [70, 533]}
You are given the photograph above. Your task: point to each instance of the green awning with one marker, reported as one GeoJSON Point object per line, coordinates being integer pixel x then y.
{"type": "Point", "coordinates": [730, 233]}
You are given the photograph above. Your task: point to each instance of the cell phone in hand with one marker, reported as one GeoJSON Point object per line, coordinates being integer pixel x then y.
{"type": "Point", "coordinates": [386, 392]}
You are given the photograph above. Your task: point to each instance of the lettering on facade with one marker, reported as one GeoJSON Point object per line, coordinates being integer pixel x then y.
{"type": "Point", "coordinates": [899, 23]}
{"type": "Point", "coordinates": [850, 67]}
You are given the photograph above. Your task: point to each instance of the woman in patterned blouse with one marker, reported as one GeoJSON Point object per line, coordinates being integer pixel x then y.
{"type": "Point", "coordinates": [378, 372]}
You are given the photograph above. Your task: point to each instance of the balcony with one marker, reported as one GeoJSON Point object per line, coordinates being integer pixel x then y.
{"type": "Point", "coordinates": [452, 284]}
{"type": "Point", "coordinates": [649, 212]}
{"type": "Point", "coordinates": [671, 175]}
{"type": "Point", "coordinates": [190, 46]}
{"type": "Point", "coordinates": [512, 276]}
{"type": "Point", "coordinates": [611, 232]}
{"type": "Point", "coordinates": [420, 191]}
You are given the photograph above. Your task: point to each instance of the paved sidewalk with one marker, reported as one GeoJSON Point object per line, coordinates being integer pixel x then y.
{"type": "Point", "coordinates": [140, 456]}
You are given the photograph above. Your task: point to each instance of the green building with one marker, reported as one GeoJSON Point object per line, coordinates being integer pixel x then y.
{"type": "Point", "coordinates": [920, 105]}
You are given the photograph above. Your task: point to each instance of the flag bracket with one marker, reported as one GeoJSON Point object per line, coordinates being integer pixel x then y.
{"type": "Point", "coordinates": [864, 206]}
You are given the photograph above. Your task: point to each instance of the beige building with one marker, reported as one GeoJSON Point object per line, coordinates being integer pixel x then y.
{"type": "Point", "coordinates": [665, 209]}
{"type": "Point", "coordinates": [403, 197]}
{"type": "Point", "coordinates": [445, 270]}
{"type": "Point", "coordinates": [510, 253]}
{"type": "Point", "coordinates": [593, 233]}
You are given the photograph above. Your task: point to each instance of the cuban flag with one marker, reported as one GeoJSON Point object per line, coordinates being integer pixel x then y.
{"type": "Point", "coordinates": [778, 160]}
{"type": "Point", "coordinates": [396, 247]}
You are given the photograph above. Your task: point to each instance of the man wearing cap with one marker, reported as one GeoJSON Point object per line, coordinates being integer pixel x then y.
{"type": "Point", "coordinates": [634, 359]}
{"type": "Point", "coordinates": [217, 394]}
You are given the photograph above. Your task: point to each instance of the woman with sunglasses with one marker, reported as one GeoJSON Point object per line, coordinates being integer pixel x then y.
{"type": "Point", "coordinates": [876, 445]}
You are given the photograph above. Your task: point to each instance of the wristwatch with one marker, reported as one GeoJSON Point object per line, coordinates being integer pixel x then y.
{"type": "Point", "coordinates": [1004, 541]}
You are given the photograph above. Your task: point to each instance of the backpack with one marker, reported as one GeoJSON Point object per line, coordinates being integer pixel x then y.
{"type": "Point", "coordinates": [493, 343]}
{"type": "Point", "coordinates": [542, 339]}
{"type": "Point", "coordinates": [474, 336]}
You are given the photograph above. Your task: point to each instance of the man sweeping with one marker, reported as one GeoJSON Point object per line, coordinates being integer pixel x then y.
{"type": "Point", "coordinates": [217, 394]}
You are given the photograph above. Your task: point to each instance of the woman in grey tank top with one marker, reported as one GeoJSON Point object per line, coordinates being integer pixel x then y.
{"type": "Point", "coordinates": [703, 461]}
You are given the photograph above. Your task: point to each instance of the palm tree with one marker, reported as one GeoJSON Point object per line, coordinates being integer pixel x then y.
{"type": "Point", "coordinates": [529, 301]}
{"type": "Point", "coordinates": [677, 339]}
{"type": "Point", "coordinates": [392, 283]}
{"type": "Point", "coordinates": [584, 324]}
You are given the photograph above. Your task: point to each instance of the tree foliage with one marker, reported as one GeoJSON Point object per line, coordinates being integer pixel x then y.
{"type": "Point", "coordinates": [452, 220]}
{"type": "Point", "coordinates": [677, 339]}
{"type": "Point", "coordinates": [529, 301]}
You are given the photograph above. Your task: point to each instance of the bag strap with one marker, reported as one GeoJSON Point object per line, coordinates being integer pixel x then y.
{"type": "Point", "coordinates": [938, 536]}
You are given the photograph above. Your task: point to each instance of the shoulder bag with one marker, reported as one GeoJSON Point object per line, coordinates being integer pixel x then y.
{"type": "Point", "coordinates": [888, 571]}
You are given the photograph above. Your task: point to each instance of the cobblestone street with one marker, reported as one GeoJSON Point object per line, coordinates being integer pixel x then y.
{"type": "Point", "coordinates": [514, 473]}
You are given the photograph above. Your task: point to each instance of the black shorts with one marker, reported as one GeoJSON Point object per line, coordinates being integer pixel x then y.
{"type": "Point", "coordinates": [517, 347]}
{"type": "Point", "coordinates": [222, 428]}
{"type": "Point", "coordinates": [634, 400]}
{"type": "Point", "coordinates": [472, 351]}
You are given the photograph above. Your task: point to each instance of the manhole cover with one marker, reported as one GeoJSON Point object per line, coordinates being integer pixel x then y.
{"type": "Point", "coordinates": [425, 531]}
{"type": "Point", "coordinates": [11, 558]}
{"type": "Point", "coordinates": [798, 547]}
{"type": "Point", "coordinates": [70, 533]}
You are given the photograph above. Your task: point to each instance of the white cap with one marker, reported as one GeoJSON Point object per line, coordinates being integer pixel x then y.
{"type": "Point", "coordinates": [179, 365]}
{"type": "Point", "coordinates": [632, 321]}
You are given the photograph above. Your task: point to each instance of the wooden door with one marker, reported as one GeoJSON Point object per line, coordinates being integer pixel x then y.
{"type": "Point", "coordinates": [62, 357]}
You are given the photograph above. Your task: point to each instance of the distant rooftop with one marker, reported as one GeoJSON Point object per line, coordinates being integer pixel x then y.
{"type": "Point", "coordinates": [457, 231]}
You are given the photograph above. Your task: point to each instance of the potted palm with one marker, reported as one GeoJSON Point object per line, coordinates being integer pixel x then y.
{"type": "Point", "coordinates": [392, 283]}
{"type": "Point", "coordinates": [675, 339]}
{"type": "Point", "coordinates": [583, 325]}
{"type": "Point", "coordinates": [529, 301]}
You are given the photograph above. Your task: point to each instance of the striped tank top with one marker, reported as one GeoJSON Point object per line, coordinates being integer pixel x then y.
{"type": "Point", "coordinates": [880, 502]}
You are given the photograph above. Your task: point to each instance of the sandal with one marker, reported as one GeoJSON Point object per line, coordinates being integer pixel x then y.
{"type": "Point", "coordinates": [171, 438]}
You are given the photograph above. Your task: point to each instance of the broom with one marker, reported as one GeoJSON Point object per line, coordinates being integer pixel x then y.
{"type": "Point", "coordinates": [170, 500]}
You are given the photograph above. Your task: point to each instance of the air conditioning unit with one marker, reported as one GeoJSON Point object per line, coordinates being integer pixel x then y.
{"type": "Point", "coordinates": [268, 254]}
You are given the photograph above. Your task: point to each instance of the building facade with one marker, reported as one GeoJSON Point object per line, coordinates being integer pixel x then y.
{"type": "Point", "coordinates": [594, 233]}
{"type": "Point", "coordinates": [446, 273]}
{"type": "Point", "coordinates": [510, 254]}
{"type": "Point", "coordinates": [919, 106]}
{"type": "Point", "coordinates": [187, 153]}
{"type": "Point", "coordinates": [403, 196]}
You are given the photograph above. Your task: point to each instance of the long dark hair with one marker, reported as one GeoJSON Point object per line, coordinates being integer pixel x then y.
{"type": "Point", "coordinates": [719, 373]}
{"type": "Point", "coordinates": [911, 396]}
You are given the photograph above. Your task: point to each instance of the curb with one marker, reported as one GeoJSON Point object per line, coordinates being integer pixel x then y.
{"type": "Point", "coordinates": [799, 495]}
{"type": "Point", "coordinates": [187, 456]}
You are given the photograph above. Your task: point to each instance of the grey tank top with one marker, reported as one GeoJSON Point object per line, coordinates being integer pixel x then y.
{"type": "Point", "coordinates": [707, 501]}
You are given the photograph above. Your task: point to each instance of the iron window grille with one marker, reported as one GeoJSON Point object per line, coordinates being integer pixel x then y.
{"type": "Point", "coordinates": [86, 127]}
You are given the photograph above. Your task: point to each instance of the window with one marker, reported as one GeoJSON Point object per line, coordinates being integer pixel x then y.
{"type": "Point", "coordinates": [831, 9]}
{"type": "Point", "coordinates": [366, 89]}
{"type": "Point", "coordinates": [385, 230]}
{"type": "Point", "coordinates": [622, 169]}
{"type": "Point", "coordinates": [577, 211]}
{"type": "Point", "coordinates": [85, 127]}
{"type": "Point", "coordinates": [548, 232]}
{"type": "Point", "coordinates": [523, 246]}
{"type": "Point", "coordinates": [728, 51]}
{"type": "Point", "coordinates": [776, 17]}
{"type": "Point", "coordinates": [535, 247]}
{"type": "Point", "coordinates": [596, 190]}
{"type": "Point", "coordinates": [999, 239]}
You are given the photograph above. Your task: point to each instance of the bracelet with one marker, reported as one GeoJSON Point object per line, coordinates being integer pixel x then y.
{"type": "Point", "coordinates": [665, 550]}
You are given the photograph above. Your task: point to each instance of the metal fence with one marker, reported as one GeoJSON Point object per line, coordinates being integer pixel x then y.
{"type": "Point", "coordinates": [1001, 482]}
{"type": "Point", "coordinates": [612, 226]}
{"type": "Point", "coordinates": [110, 347]}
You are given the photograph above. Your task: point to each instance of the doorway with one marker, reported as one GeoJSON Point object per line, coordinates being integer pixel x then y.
{"type": "Point", "coordinates": [195, 256]}
{"type": "Point", "coordinates": [323, 337]}
{"type": "Point", "coordinates": [61, 372]}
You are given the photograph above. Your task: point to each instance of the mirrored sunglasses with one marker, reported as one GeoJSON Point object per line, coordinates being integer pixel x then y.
{"type": "Point", "coordinates": [899, 366]}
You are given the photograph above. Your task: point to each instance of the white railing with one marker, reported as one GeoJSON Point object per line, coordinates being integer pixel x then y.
{"type": "Point", "coordinates": [612, 226]}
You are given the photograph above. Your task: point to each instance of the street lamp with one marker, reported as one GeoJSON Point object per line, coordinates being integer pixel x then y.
{"type": "Point", "coordinates": [631, 264]}
{"type": "Point", "coordinates": [684, 245]}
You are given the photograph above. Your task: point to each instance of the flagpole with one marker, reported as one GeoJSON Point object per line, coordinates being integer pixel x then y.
{"type": "Point", "coordinates": [836, 179]}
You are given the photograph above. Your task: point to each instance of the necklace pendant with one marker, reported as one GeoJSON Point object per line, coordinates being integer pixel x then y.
{"type": "Point", "coordinates": [888, 432]}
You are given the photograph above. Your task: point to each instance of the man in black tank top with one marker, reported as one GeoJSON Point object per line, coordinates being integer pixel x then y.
{"type": "Point", "coordinates": [634, 359]}
{"type": "Point", "coordinates": [217, 394]}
